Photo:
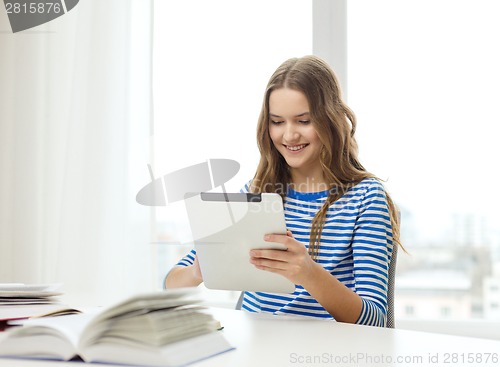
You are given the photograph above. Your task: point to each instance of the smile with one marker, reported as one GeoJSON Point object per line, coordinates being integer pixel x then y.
{"type": "Point", "coordinates": [295, 148]}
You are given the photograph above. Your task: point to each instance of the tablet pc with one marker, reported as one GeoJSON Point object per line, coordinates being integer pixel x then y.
{"type": "Point", "coordinates": [225, 227]}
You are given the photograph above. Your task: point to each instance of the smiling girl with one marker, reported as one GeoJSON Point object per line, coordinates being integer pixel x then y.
{"type": "Point", "coordinates": [342, 225]}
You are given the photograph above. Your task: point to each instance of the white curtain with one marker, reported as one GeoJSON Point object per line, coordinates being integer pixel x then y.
{"type": "Point", "coordinates": [75, 129]}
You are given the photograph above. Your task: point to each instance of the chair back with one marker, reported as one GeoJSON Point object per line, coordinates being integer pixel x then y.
{"type": "Point", "coordinates": [390, 323]}
{"type": "Point", "coordinates": [240, 301]}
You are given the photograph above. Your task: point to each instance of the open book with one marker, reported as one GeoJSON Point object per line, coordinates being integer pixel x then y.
{"type": "Point", "coordinates": [165, 328]}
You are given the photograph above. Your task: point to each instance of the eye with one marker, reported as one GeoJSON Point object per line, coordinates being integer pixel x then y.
{"type": "Point", "coordinates": [304, 122]}
{"type": "Point", "coordinates": [274, 122]}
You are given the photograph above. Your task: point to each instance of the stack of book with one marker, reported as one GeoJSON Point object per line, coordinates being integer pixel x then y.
{"type": "Point", "coordinates": [168, 328]}
{"type": "Point", "coordinates": [21, 301]}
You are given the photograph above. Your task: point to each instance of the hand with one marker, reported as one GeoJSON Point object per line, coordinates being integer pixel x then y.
{"type": "Point", "coordinates": [295, 263]}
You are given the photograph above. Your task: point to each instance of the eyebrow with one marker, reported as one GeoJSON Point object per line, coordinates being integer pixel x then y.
{"type": "Point", "coordinates": [299, 115]}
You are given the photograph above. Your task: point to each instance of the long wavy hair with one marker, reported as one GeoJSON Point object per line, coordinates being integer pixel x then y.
{"type": "Point", "coordinates": [335, 125]}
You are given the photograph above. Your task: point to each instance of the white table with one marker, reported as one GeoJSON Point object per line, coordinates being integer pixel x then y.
{"type": "Point", "coordinates": [264, 340]}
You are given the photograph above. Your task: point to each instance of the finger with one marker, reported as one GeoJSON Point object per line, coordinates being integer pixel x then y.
{"type": "Point", "coordinates": [276, 255]}
{"type": "Point", "coordinates": [271, 270]}
{"type": "Point", "coordinates": [291, 243]}
{"type": "Point", "coordinates": [278, 238]}
{"type": "Point", "coordinates": [289, 233]}
{"type": "Point", "coordinates": [267, 264]}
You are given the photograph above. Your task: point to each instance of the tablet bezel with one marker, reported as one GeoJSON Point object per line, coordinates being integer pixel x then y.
{"type": "Point", "coordinates": [225, 227]}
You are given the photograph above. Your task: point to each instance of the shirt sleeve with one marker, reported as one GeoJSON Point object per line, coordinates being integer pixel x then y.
{"type": "Point", "coordinates": [245, 189]}
{"type": "Point", "coordinates": [188, 259]}
{"type": "Point", "coordinates": [372, 250]}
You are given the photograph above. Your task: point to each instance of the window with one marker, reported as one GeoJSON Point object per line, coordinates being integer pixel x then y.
{"type": "Point", "coordinates": [210, 73]}
{"type": "Point", "coordinates": [409, 310]}
{"type": "Point", "coordinates": [445, 311]}
{"type": "Point", "coordinates": [423, 81]}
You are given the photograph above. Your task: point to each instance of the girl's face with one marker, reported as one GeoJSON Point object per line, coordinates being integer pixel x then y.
{"type": "Point", "coordinates": [292, 131]}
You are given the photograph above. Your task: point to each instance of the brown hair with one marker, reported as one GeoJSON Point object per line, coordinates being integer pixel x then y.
{"type": "Point", "coordinates": [335, 125]}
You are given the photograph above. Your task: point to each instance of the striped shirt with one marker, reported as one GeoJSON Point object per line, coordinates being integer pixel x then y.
{"type": "Point", "coordinates": [356, 247]}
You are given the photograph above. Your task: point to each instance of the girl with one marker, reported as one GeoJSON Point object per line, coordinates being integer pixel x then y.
{"type": "Point", "coordinates": [342, 224]}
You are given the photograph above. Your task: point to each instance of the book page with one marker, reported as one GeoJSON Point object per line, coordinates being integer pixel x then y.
{"type": "Point", "coordinates": [26, 311]}
{"type": "Point", "coordinates": [48, 337]}
{"type": "Point", "coordinates": [179, 353]}
{"type": "Point", "coordinates": [71, 326]}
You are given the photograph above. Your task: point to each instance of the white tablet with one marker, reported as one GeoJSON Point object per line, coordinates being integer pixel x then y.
{"type": "Point", "coordinates": [225, 227]}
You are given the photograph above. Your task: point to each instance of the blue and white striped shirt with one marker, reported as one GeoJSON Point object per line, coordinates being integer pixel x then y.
{"type": "Point", "coordinates": [356, 247]}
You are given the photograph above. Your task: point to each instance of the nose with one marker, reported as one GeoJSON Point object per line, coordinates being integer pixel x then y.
{"type": "Point", "coordinates": [291, 134]}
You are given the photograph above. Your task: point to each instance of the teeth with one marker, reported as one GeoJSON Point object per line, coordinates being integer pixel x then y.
{"type": "Point", "coordinates": [297, 147]}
